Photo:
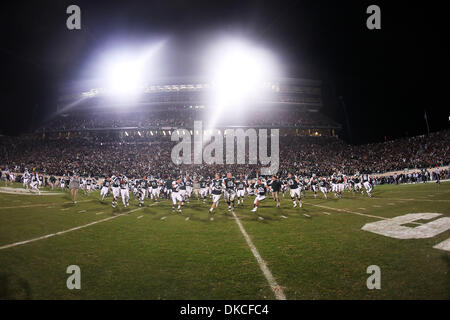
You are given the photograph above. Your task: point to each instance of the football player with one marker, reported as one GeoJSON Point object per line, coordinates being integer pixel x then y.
{"type": "Point", "coordinates": [241, 185]}
{"type": "Point", "coordinates": [260, 191]}
{"type": "Point", "coordinates": [294, 186]}
{"type": "Point", "coordinates": [105, 188]}
{"type": "Point", "coordinates": [176, 195]}
{"type": "Point", "coordinates": [216, 191]}
{"type": "Point", "coordinates": [230, 190]}
{"type": "Point", "coordinates": [124, 191]}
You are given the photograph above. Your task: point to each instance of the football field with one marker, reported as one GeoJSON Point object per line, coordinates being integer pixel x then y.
{"type": "Point", "coordinates": [319, 251]}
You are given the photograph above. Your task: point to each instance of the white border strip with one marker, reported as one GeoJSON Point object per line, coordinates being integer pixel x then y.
{"type": "Point", "coordinates": [277, 290]}
{"type": "Point", "coordinates": [44, 204]}
{"type": "Point", "coordinates": [402, 199]}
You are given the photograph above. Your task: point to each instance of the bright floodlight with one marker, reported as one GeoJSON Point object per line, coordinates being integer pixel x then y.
{"type": "Point", "coordinates": [124, 77]}
{"type": "Point", "coordinates": [125, 71]}
{"type": "Point", "coordinates": [239, 71]}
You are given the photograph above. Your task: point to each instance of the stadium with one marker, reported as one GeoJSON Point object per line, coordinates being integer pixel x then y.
{"type": "Point", "coordinates": [141, 186]}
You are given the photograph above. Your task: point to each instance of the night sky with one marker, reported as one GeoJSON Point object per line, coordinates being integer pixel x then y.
{"type": "Point", "coordinates": [387, 78]}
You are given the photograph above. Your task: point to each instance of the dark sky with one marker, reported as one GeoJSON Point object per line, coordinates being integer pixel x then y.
{"type": "Point", "coordinates": [387, 77]}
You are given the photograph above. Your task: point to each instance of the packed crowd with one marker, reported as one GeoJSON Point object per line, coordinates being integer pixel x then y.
{"type": "Point", "coordinates": [325, 154]}
{"type": "Point", "coordinates": [307, 155]}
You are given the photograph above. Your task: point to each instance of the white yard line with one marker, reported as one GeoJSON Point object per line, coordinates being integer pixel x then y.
{"type": "Point", "coordinates": [277, 290]}
{"type": "Point", "coordinates": [353, 212]}
{"type": "Point", "coordinates": [65, 231]}
{"type": "Point", "coordinates": [410, 199]}
{"type": "Point", "coordinates": [69, 230]}
{"type": "Point", "coordinates": [344, 210]}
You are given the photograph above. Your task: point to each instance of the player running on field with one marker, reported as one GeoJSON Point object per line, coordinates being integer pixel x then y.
{"type": "Point", "coordinates": [241, 185]}
{"type": "Point", "coordinates": [176, 195]}
{"type": "Point", "coordinates": [230, 190]}
{"type": "Point", "coordinates": [294, 186]}
{"type": "Point", "coordinates": [115, 186]}
{"type": "Point", "coordinates": [217, 186]}
{"type": "Point", "coordinates": [276, 188]}
{"type": "Point", "coordinates": [105, 188]}
{"type": "Point", "coordinates": [260, 191]}
{"type": "Point", "coordinates": [141, 189]}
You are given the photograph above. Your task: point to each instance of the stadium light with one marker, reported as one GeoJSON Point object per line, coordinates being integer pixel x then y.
{"type": "Point", "coordinates": [124, 77]}
{"type": "Point", "coordinates": [126, 70]}
{"type": "Point", "coordinates": [238, 70]}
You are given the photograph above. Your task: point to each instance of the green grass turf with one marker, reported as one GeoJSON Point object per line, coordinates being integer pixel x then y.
{"type": "Point", "coordinates": [323, 256]}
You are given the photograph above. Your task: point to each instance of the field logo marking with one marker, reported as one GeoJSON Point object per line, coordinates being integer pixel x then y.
{"type": "Point", "coordinates": [277, 290]}
{"type": "Point", "coordinates": [394, 228]}
{"type": "Point", "coordinates": [444, 245]}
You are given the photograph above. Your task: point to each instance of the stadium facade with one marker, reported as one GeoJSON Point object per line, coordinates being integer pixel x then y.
{"type": "Point", "coordinates": [292, 105]}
